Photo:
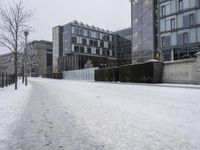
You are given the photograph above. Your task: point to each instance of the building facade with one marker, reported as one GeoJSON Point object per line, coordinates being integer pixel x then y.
{"type": "Point", "coordinates": [144, 30]}
{"type": "Point", "coordinates": [179, 30]}
{"type": "Point", "coordinates": [40, 57]}
{"type": "Point", "coordinates": [81, 39]}
{"type": "Point", "coordinates": [7, 63]}
{"type": "Point", "coordinates": [57, 38]}
{"type": "Point", "coordinates": [123, 46]}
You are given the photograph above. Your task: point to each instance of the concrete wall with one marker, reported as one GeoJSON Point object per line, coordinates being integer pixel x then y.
{"type": "Point", "coordinates": [83, 74]}
{"type": "Point", "coordinates": [182, 71]}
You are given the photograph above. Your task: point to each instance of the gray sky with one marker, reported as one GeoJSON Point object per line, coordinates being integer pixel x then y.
{"type": "Point", "coordinates": [108, 14]}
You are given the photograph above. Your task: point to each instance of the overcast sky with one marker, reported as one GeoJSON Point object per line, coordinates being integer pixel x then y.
{"type": "Point", "coordinates": [108, 14]}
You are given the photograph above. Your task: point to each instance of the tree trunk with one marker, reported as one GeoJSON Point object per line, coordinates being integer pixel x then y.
{"type": "Point", "coordinates": [15, 70]}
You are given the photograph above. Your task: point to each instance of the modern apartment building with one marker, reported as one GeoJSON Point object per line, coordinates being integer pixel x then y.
{"type": "Point", "coordinates": [144, 30]}
{"type": "Point", "coordinates": [83, 46]}
{"type": "Point", "coordinates": [123, 46]}
{"type": "Point", "coordinates": [40, 57]}
{"type": "Point", "coordinates": [179, 28]}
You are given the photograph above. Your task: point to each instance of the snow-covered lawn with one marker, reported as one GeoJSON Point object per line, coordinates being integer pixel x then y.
{"type": "Point", "coordinates": [12, 104]}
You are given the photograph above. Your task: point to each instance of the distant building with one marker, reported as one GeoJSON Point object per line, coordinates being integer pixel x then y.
{"type": "Point", "coordinates": [144, 30]}
{"type": "Point", "coordinates": [179, 32]}
{"type": "Point", "coordinates": [41, 54]}
{"type": "Point", "coordinates": [57, 46]}
{"type": "Point", "coordinates": [7, 63]}
{"type": "Point", "coordinates": [84, 46]}
{"type": "Point", "coordinates": [123, 46]}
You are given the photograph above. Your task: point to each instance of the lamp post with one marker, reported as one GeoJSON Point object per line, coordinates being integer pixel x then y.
{"type": "Point", "coordinates": [26, 69]}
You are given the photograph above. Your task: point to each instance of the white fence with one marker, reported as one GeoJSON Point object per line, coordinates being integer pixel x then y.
{"type": "Point", "coordinates": [83, 74]}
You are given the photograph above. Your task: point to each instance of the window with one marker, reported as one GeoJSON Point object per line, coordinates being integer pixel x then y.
{"type": "Point", "coordinates": [191, 19]}
{"type": "Point", "coordinates": [186, 21]}
{"type": "Point", "coordinates": [163, 11]}
{"type": "Point", "coordinates": [163, 41]}
{"type": "Point", "coordinates": [102, 44]}
{"type": "Point", "coordinates": [82, 49]}
{"type": "Point", "coordinates": [173, 25]}
{"type": "Point", "coordinates": [91, 42]}
{"type": "Point", "coordinates": [76, 48]}
{"type": "Point", "coordinates": [74, 40]}
{"type": "Point", "coordinates": [76, 31]}
{"type": "Point", "coordinates": [98, 51]}
{"type": "Point", "coordinates": [185, 38]}
{"type": "Point", "coordinates": [84, 41]}
{"type": "Point", "coordinates": [89, 50]}
{"type": "Point", "coordinates": [89, 33]}
{"type": "Point", "coordinates": [198, 3]}
{"type": "Point", "coordinates": [180, 4]}
{"type": "Point", "coordinates": [95, 43]}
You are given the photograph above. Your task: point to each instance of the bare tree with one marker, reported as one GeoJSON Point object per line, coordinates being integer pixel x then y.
{"type": "Point", "coordinates": [14, 20]}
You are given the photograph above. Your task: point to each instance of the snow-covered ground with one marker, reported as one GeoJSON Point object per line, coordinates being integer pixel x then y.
{"type": "Point", "coordinates": [12, 104]}
{"type": "Point", "coordinates": [77, 115]}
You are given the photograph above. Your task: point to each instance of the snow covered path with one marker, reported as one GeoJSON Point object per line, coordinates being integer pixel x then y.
{"type": "Point", "coordinates": [70, 115]}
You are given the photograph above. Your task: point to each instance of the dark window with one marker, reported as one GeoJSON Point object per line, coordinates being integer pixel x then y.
{"type": "Point", "coordinates": [82, 49]}
{"type": "Point", "coordinates": [91, 42]}
{"type": "Point", "coordinates": [98, 51]}
{"type": "Point", "coordinates": [84, 41]}
{"type": "Point", "coordinates": [95, 43]}
{"type": "Point", "coordinates": [89, 33]}
{"type": "Point", "coordinates": [191, 19]}
{"type": "Point", "coordinates": [74, 40]}
{"type": "Point", "coordinates": [173, 24]}
{"type": "Point", "coordinates": [76, 48]}
{"type": "Point", "coordinates": [185, 38]}
{"type": "Point", "coordinates": [102, 44]}
{"type": "Point", "coordinates": [163, 10]}
{"type": "Point", "coordinates": [89, 50]}
{"type": "Point", "coordinates": [180, 4]}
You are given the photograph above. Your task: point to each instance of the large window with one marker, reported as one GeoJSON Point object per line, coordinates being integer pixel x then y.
{"type": "Point", "coordinates": [163, 10]}
{"type": "Point", "coordinates": [191, 19]}
{"type": "Point", "coordinates": [89, 50]}
{"type": "Point", "coordinates": [185, 38]}
{"type": "Point", "coordinates": [74, 40]}
{"type": "Point", "coordinates": [173, 25]}
{"type": "Point", "coordinates": [180, 4]}
{"type": "Point", "coordinates": [84, 41]}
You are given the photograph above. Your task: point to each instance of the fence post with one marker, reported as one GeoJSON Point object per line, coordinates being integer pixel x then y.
{"type": "Point", "coordinates": [2, 80]}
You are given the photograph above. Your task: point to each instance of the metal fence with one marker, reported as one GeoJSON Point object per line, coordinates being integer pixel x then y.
{"type": "Point", "coordinates": [83, 74]}
{"type": "Point", "coordinates": [6, 80]}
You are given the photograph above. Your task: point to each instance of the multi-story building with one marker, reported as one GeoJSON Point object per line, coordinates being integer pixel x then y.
{"type": "Point", "coordinates": [84, 46]}
{"type": "Point", "coordinates": [57, 46]}
{"type": "Point", "coordinates": [179, 31]}
{"type": "Point", "coordinates": [144, 30]}
{"type": "Point", "coordinates": [40, 57]}
{"type": "Point", "coordinates": [123, 46]}
{"type": "Point", "coordinates": [7, 63]}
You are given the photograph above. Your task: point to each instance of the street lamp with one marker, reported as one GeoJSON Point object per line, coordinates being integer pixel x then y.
{"type": "Point", "coordinates": [26, 69]}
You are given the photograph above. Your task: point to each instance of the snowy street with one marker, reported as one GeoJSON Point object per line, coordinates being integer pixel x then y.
{"type": "Point", "coordinates": [75, 115]}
